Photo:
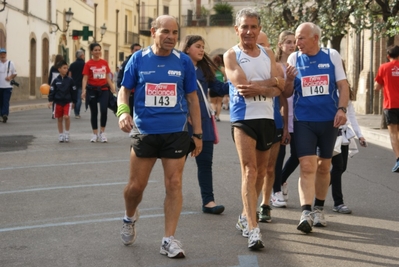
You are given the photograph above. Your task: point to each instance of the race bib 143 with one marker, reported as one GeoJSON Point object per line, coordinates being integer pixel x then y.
{"type": "Point", "coordinates": [160, 95]}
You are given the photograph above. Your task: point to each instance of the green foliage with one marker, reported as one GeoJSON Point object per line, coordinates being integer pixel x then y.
{"type": "Point", "coordinates": [334, 17]}
{"type": "Point", "coordinates": [223, 8]}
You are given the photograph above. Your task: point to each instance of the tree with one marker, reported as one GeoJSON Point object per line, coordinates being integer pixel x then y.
{"type": "Point", "coordinates": [333, 17]}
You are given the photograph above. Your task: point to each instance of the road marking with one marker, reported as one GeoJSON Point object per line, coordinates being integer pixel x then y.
{"type": "Point", "coordinates": [62, 187]}
{"type": "Point", "coordinates": [62, 164]}
{"type": "Point", "coordinates": [29, 227]}
{"type": "Point", "coordinates": [247, 261]}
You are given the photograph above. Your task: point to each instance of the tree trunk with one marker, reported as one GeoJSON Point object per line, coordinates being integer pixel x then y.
{"type": "Point", "coordinates": [336, 42]}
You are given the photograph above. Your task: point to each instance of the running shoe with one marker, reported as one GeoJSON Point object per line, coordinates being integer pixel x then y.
{"type": "Point", "coordinates": [318, 217]}
{"type": "Point", "coordinates": [66, 136]}
{"type": "Point", "coordinates": [305, 224]}
{"type": "Point", "coordinates": [94, 138]}
{"type": "Point", "coordinates": [278, 200]}
{"type": "Point", "coordinates": [284, 188]}
{"type": "Point", "coordinates": [173, 249]}
{"type": "Point", "coordinates": [61, 138]}
{"type": "Point", "coordinates": [264, 214]}
{"type": "Point", "coordinates": [396, 167]}
{"type": "Point", "coordinates": [128, 231]}
{"type": "Point", "coordinates": [255, 239]}
{"type": "Point", "coordinates": [242, 225]}
{"type": "Point", "coordinates": [342, 209]}
{"type": "Point", "coordinates": [103, 138]}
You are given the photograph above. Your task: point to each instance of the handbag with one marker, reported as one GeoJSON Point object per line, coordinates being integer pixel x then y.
{"type": "Point", "coordinates": [211, 114]}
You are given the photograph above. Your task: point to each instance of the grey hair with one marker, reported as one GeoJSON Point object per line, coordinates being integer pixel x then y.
{"type": "Point", "coordinates": [157, 22]}
{"type": "Point", "coordinates": [247, 12]}
{"type": "Point", "coordinates": [79, 53]}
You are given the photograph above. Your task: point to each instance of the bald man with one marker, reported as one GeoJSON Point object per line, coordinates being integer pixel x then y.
{"type": "Point", "coordinates": [318, 112]}
{"type": "Point", "coordinates": [163, 98]}
{"type": "Point", "coordinates": [263, 40]}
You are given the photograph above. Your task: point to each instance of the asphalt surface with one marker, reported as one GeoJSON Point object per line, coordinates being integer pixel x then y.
{"type": "Point", "coordinates": [62, 204]}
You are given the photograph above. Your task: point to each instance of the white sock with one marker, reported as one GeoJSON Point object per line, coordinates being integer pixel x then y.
{"type": "Point", "coordinates": [127, 218]}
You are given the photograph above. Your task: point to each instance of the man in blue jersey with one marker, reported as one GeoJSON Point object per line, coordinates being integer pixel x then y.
{"type": "Point", "coordinates": [321, 96]}
{"type": "Point", "coordinates": [165, 93]}
{"type": "Point", "coordinates": [252, 73]}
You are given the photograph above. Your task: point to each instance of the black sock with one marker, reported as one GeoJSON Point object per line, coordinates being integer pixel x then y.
{"type": "Point", "coordinates": [306, 207]}
{"type": "Point", "coordinates": [397, 159]}
{"type": "Point", "coordinates": [318, 202]}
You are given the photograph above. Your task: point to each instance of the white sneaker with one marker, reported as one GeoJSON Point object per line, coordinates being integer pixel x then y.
{"type": "Point", "coordinates": [128, 231]}
{"type": "Point", "coordinates": [278, 200]}
{"type": "Point", "coordinates": [173, 249]}
{"type": "Point", "coordinates": [61, 138]}
{"type": "Point", "coordinates": [103, 138]}
{"type": "Point", "coordinates": [94, 138]}
{"type": "Point", "coordinates": [318, 217]}
{"type": "Point", "coordinates": [255, 239]}
{"type": "Point", "coordinates": [284, 188]}
{"type": "Point", "coordinates": [66, 136]}
{"type": "Point", "coordinates": [242, 225]}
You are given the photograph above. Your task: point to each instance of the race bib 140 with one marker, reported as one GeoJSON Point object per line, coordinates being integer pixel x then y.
{"type": "Point", "coordinates": [315, 85]}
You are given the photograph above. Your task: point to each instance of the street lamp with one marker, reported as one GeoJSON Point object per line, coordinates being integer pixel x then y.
{"type": "Point", "coordinates": [68, 19]}
{"type": "Point", "coordinates": [103, 30]}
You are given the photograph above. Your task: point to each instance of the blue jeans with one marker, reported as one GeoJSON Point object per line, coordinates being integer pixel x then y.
{"type": "Point", "coordinates": [79, 101]}
{"type": "Point", "coordinates": [5, 96]}
{"type": "Point", "coordinates": [204, 172]}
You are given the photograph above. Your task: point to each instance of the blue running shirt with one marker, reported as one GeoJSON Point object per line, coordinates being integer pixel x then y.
{"type": "Point", "coordinates": [315, 88]}
{"type": "Point", "coordinates": [161, 84]}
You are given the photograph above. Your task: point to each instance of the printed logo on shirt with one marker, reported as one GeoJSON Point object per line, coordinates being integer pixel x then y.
{"type": "Point", "coordinates": [244, 60]}
{"type": "Point", "coordinates": [176, 73]}
{"type": "Point", "coordinates": [323, 66]}
{"type": "Point", "coordinates": [302, 67]}
{"type": "Point", "coordinates": [395, 71]}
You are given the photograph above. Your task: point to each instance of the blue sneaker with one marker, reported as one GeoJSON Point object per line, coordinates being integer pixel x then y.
{"type": "Point", "coordinates": [396, 167]}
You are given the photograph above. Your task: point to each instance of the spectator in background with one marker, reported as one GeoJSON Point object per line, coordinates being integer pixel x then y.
{"type": "Point", "coordinates": [216, 99]}
{"type": "Point", "coordinates": [75, 72]}
{"type": "Point", "coordinates": [53, 73]}
{"type": "Point", "coordinates": [7, 73]}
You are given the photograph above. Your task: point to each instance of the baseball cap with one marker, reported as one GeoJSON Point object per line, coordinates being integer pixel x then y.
{"type": "Point", "coordinates": [3, 50]}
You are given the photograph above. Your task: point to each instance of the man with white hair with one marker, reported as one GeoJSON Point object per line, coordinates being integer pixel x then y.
{"type": "Point", "coordinates": [318, 113]}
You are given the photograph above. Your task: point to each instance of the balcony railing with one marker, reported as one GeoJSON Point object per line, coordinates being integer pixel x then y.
{"type": "Point", "coordinates": [145, 23]}
{"type": "Point", "coordinates": [211, 20]}
{"type": "Point", "coordinates": [131, 38]}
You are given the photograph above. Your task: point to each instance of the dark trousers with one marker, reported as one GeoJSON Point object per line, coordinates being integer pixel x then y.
{"type": "Point", "coordinates": [5, 96]}
{"type": "Point", "coordinates": [204, 172]}
{"type": "Point", "coordinates": [96, 96]}
{"type": "Point", "coordinates": [79, 101]}
{"type": "Point", "coordinates": [291, 163]}
{"type": "Point", "coordinates": [339, 163]}
{"type": "Point", "coordinates": [278, 169]}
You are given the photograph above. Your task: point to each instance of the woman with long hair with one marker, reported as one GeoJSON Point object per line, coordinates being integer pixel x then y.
{"type": "Point", "coordinates": [193, 46]}
{"type": "Point", "coordinates": [96, 87]}
{"type": "Point", "coordinates": [285, 46]}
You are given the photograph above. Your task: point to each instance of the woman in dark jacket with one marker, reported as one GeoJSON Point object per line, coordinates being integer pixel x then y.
{"type": "Point", "coordinates": [193, 46]}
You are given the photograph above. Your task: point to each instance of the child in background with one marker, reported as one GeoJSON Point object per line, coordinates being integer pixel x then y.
{"type": "Point", "coordinates": [63, 94]}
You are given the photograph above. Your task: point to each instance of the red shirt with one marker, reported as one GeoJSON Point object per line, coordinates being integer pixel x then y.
{"type": "Point", "coordinates": [97, 72]}
{"type": "Point", "coordinates": [388, 77]}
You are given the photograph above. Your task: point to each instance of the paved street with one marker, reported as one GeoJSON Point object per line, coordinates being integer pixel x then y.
{"type": "Point", "coordinates": [62, 205]}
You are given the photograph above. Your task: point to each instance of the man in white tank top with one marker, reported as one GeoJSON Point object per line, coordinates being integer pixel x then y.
{"type": "Point", "coordinates": [253, 74]}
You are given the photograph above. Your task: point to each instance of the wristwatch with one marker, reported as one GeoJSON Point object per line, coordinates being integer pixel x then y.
{"type": "Point", "coordinates": [199, 136]}
{"type": "Point", "coordinates": [342, 108]}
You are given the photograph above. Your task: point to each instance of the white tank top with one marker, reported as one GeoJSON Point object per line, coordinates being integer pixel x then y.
{"type": "Point", "coordinates": [256, 69]}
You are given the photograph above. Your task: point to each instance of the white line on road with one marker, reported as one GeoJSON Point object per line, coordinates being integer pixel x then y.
{"type": "Point", "coordinates": [61, 164]}
{"type": "Point", "coordinates": [29, 227]}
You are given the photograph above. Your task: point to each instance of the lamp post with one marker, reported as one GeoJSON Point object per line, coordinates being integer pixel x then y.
{"type": "Point", "coordinates": [103, 30]}
{"type": "Point", "coordinates": [68, 19]}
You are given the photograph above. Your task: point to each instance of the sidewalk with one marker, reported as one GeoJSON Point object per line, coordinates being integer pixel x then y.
{"type": "Point", "coordinates": [369, 124]}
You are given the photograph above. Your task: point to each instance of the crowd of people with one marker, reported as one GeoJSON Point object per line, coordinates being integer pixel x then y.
{"type": "Point", "coordinates": [169, 99]}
